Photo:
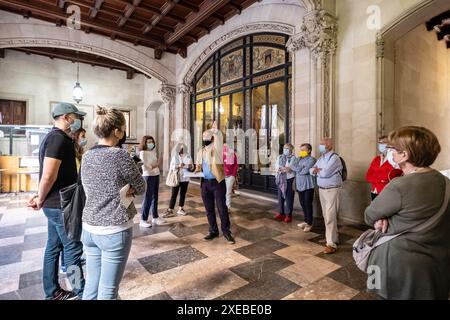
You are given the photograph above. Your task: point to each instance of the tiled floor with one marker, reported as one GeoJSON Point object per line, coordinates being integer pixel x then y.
{"type": "Point", "coordinates": [270, 260]}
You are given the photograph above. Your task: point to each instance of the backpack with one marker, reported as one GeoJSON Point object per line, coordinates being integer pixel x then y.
{"type": "Point", "coordinates": [343, 172]}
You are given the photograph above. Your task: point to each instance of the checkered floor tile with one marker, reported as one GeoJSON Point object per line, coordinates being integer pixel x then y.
{"type": "Point", "coordinates": [270, 260]}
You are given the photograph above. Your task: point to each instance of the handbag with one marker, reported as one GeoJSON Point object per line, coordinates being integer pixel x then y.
{"type": "Point", "coordinates": [370, 239]}
{"type": "Point", "coordinates": [73, 200]}
{"type": "Point", "coordinates": [173, 180]}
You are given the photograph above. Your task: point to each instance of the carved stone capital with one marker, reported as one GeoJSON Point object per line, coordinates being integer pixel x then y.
{"type": "Point", "coordinates": [185, 89]}
{"type": "Point", "coordinates": [167, 94]}
{"type": "Point", "coordinates": [318, 33]}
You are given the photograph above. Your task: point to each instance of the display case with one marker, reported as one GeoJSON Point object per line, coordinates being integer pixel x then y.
{"type": "Point", "coordinates": [19, 161]}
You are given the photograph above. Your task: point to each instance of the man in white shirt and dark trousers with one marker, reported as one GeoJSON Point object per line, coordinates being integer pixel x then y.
{"type": "Point", "coordinates": [328, 171]}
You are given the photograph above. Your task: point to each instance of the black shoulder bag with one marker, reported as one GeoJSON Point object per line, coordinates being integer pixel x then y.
{"type": "Point", "coordinates": [73, 199]}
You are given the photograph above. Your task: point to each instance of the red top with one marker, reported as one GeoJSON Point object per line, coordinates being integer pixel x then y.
{"type": "Point", "coordinates": [230, 163]}
{"type": "Point", "coordinates": [379, 174]}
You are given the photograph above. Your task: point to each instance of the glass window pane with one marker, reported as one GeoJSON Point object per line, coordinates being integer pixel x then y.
{"type": "Point", "coordinates": [266, 58]}
{"type": "Point", "coordinates": [198, 125]}
{"type": "Point", "coordinates": [231, 66]}
{"type": "Point", "coordinates": [277, 113]}
{"type": "Point", "coordinates": [259, 122]}
{"type": "Point", "coordinates": [206, 81]}
{"type": "Point", "coordinates": [224, 113]}
{"type": "Point", "coordinates": [237, 121]}
{"type": "Point", "coordinates": [209, 113]}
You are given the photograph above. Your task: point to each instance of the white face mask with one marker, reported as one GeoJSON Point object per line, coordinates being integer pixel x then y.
{"type": "Point", "coordinates": [390, 159]}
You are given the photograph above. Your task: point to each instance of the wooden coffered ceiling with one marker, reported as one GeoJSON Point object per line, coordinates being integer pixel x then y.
{"type": "Point", "coordinates": [441, 25]}
{"type": "Point", "coordinates": [164, 25]}
{"type": "Point", "coordinates": [76, 56]}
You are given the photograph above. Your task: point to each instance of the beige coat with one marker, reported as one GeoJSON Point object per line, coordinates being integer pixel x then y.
{"type": "Point", "coordinates": [214, 159]}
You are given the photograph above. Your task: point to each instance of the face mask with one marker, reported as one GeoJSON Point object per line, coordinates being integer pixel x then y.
{"type": "Point", "coordinates": [150, 146]}
{"type": "Point", "coordinates": [390, 159]}
{"type": "Point", "coordinates": [122, 141]}
{"type": "Point", "coordinates": [207, 142]}
{"type": "Point", "coordinates": [287, 152]}
{"type": "Point", "coordinates": [322, 148]}
{"type": "Point", "coordinates": [75, 126]}
{"type": "Point", "coordinates": [303, 154]}
{"type": "Point", "coordinates": [83, 143]}
{"type": "Point", "coordinates": [382, 147]}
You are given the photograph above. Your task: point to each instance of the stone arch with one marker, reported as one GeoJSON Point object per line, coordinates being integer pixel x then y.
{"type": "Point", "coordinates": [37, 34]}
{"type": "Point", "coordinates": [230, 36]}
{"type": "Point", "coordinates": [385, 52]}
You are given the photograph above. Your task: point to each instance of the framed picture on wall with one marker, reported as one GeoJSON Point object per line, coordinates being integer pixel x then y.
{"type": "Point", "coordinates": [126, 114]}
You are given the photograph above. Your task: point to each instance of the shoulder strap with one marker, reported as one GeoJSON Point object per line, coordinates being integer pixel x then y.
{"type": "Point", "coordinates": [430, 222]}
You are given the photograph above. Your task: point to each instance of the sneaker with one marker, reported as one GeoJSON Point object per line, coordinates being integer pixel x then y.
{"type": "Point", "coordinates": [302, 225]}
{"type": "Point", "coordinates": [62, 294]}
{"type": "Point", "coordinates": [329, 250]}
{"type": "Point", "coordinates": [168, 213]}
{"type": "Point", "coordinates": [288, 219]}
{"type": "Point", "coordinates": [211, 236]}
{"type": "Point", "coordinates": [279, 217]}
{"type": "Point", "coordinates": [181, 212]}
{"type": "Point", "coordinates": [159, 221]}
{"type": "Point", "coordinates": [307, 228]}
{"type": "Point", "coordinates": [229, 238]}
{"type": "Point", "coordinates": [145, 224]}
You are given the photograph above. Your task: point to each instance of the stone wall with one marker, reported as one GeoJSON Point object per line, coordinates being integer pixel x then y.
{"type": "Point", "coordinates": [422, 86]}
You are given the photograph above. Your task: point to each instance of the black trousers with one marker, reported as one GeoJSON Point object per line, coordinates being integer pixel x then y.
{"type": "Point", "coordinates": [306, 201]}
{"type": "Point", "coordinates": [182, 187]}
{"type": "Point", "coordinates": [286, 205]}
{"type": "Point", "coordinates": [213, 194]}
{"type": "Point", "coordinates": [150, 203]}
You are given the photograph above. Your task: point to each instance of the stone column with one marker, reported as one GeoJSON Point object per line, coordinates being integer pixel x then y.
{"type": "Point", "coordinates": [185, 92]}
{"type": "Point", "coordinates": [318, 34]}
{"type": "Point", "coordinates": [380, 77]}
{"type": "Point", "coordinates": [168, 97]}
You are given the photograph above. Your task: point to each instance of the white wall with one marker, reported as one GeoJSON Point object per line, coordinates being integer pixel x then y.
{"type": "Point", "coordinates": [356, 97]}
{"type": "Point", "coordinates": [40, 80]}
{"type": "Point", "coordinates": [422, 86]}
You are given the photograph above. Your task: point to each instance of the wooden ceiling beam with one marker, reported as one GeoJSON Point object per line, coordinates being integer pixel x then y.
{"type": "Point", "coordinates": [189, 6]}
{"type": "Point", "coordinates": [128, 12]}
{"type": "Point", "coordinates": [54, 13]}
{"type": "Point", "coordinates": [219, 18]}
{"type": "Point", "coordinates": [94, 11]}
{"type": "Point", "coordinates": [237, 7]}
{"type": "Point", "coordinates": [167, 7]}
{"type": "Point", "coordinates": [207, 8]}
{"type": "Point", "coordinates": [75, 57]}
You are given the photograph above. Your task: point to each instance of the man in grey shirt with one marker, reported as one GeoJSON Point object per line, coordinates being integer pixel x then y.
{"type": "Point", "coordinates": [328, 171]}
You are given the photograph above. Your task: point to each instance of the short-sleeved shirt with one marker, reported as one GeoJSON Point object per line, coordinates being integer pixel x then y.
{"type": "Point", "coordinates": [60, 146]}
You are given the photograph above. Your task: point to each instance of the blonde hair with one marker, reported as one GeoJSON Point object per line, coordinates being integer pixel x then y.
{"type": "Point", "coordinates": [107, 121]}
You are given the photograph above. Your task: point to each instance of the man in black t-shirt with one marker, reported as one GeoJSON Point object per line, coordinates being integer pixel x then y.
{"type": "Point", "coordinates": [57, 170]}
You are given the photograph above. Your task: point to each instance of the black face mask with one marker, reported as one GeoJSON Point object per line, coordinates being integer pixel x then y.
{"type": "Point", "coordinates": [206, 142]}
{"type": "Point", "coordinates": [122, 141]}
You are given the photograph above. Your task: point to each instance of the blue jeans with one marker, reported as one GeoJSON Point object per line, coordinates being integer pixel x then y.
{"type": "Point", "coordinates": [106, 257]}
{"type": "Point", "coordinates": [150, 198]}
{"type": "Point", "coordinates": [57, 240]}
{"type": "Point", "coordinates": [286, 205]}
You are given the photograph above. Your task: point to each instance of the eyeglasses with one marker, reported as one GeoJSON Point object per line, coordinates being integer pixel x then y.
{"type": "Point", "coordinates": [393, 148]}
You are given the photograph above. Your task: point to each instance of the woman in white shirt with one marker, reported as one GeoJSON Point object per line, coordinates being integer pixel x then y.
{"type": "Point", "coordinates": [150, 172]}
{"type": "Point", "coordinates": [183, 163]}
